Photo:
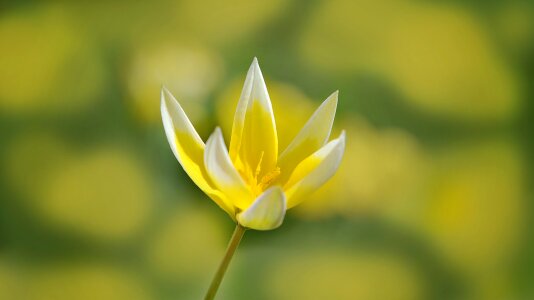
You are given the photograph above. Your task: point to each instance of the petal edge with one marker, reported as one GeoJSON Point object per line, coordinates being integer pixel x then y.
{"type": "Point", "coordinates": [313, 135]}
{"type": "Point", "coordinates": [188, 148]}
{"type": "Point", "coordinates": [314, 171]}
{"type": "Point", "coordinates": [223, 173]}
{"type": "Point", "coordinates": [254, 141]}
{"type": "Point", "coordinates": [267, 212]}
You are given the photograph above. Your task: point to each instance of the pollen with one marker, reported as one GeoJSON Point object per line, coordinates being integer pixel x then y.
{"type": "Point", "coordinates": [258, 167]}
{"type": "Point", "coordinates": [252, 177]}
{"type": "Point", "coordinates": [269, 178]}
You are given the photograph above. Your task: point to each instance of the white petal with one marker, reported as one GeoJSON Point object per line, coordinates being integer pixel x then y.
{"type": "Point", "coordinates": [311, 137]}
{"type": "Point", "coordinates": [254, 140]}
{"type": "Point", "coordinates": [314, 171]}
{"type": "Point", "coordinates": [223, 173]}
{"type": "Point", "coordinates": [175, 119]}
{"type": "Point", "coordinates": [241, 110]}
{"type": "Point", "coordinates": [267, 212]}
{"type": "Point", "coordinates": [188, 148]}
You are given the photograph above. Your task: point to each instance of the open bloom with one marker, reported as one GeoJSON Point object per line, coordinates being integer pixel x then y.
{"type": "Point", "coordinates": [251, 181]}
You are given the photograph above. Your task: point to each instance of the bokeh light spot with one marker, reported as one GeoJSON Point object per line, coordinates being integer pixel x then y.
{"type": "Point", "coordinates": [340, 275]}
{"type": "Point", "coordinates": [48, 63]}
{"type": "Point", "coordinates": [106, 194]}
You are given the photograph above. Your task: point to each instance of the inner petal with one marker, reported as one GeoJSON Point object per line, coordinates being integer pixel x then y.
{"type": "Point", "coordinates": [259, 146]}
{"type": "Point", "coordinates": [254, 142]}
{"type": "Point", "coordinates": [256, 178]}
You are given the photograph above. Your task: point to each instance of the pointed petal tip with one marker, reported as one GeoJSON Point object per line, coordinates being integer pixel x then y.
{"type": "Point", "coordinates": [335, 94]}
{"type": "Point", "coordinates": [215, 136]}
{"type": "Point", "coordinates": [164, 90]}
{"type": "Point", "coordinates": [163, 102]}
{"type": "Point", "coordinates": [255, 65]}
{"type": "Point", "coordinates": [333, 98]}
{"type": "Point", "coordinates": [342, 136]}
{"type": "Point", "coordinates": [210, 139]}
{"type": "Point", "coordinates": [165, 95]}
{"type": "Point", "coordinates": [309, 175]}
{"type": "Point", "coordinates": [257, 70]}
{"type": "Point", "coordinates": [314, 134]}
{"type": "Point", "coordinates": [218, 134]}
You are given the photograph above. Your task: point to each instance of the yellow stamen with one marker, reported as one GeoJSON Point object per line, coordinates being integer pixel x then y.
{"type": "Point", "coordinates": [258, 167]}
{"type": "Point", "coordinates": [269, 178]}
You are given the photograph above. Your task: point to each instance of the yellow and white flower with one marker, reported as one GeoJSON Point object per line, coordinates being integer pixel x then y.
{"type": "Point", "coordinates": [251, 181]}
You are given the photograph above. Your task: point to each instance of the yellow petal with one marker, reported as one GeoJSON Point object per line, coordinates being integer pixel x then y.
{"type": "Point", "coordinates": [314, 171]}
{"type": "Point", "coordinates": [188, 148]}
{"type": "Point", "coordinates": [311, 137]}
{"type": "Point", "coordinates": [254, 142]}
{"type": "Point", "coordinates": [223, 173]}
{"type": "Point", "coordinates": [267, 212]}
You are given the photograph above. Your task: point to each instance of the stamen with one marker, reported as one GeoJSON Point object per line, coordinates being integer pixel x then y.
{"type": "Point", "coordinates": [269, 178]}
{"type": "Point", "coordinates": [258, 167]}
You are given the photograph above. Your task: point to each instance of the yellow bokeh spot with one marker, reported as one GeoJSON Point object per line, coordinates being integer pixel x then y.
{"type": "Point", "coordinates": [442, 60]}
{"type": "Point", "coordinates": [475, 207]}
{"type": "Point", "coordinates": [343, 275]}
{"type": "Point", "coordinates": [343, 36]}
{"type": "Point", "coordinates": [438, 57]}
{"type": "Point", "coordinates": [48, 63]}
{"type": "Point", "coordinates": [27, 151]}
{"type": "Point", "coordinates": [190, 73]}
{"type": "Point", "coordinates": [179, 252]}
{"type": "Point", "coordinates": [225, 22]}
{"type": "Point", "coordinates": [10, 281]}
{"type": "Point", "coordinates": [105, 194]}
{"type": "Point", "coordinates": [85, 281]}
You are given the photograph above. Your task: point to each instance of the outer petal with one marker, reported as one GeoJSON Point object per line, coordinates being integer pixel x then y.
{"type": "Point", "coordinates": [223, 173]}
{"type": "Point", "coordinates": [312, 136]}
{"type": "Point", "coordinates": [267, 212]}
{"type": "Point", "coordinates": [254, 142]}
{"type": "Point", "coordinates": [314, 171]}
{"type": "Point", "coordinates": [188, 148]}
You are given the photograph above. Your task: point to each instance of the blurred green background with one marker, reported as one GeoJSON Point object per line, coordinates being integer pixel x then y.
{"type": "Point", "coordinates": [433, 199]}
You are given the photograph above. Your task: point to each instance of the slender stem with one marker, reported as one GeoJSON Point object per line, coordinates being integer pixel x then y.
{"type": "Point", "coordinates": [232, 246]}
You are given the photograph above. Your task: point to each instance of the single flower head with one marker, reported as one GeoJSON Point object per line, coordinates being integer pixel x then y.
{"type": "Point", "coordinates": [251, 181]}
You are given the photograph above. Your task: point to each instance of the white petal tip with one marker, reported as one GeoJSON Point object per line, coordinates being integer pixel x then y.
{"type": "Point", "coordinates": [218, 135]}
{"type": "Point", "coordinates": [267, 212]}
{"type": "Point", "coordinates": [340, 140]}
{"type": "Point", "coordinates": [335, 95]}
{"type": "Point", "coordinates": [333, 98]}
{"type": "Point", "coordinates": [164, 90]}
{"type": "Point", "coordinates": [255, 65]}
{"type": "Point", "coordinates": [165, 95]}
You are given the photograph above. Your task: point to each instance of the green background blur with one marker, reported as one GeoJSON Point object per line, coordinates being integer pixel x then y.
{"type": "Point", "coordinates": [433, 199]}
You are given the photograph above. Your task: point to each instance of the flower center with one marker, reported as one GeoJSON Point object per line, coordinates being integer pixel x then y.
{"type": "Point", "coordinates": [257, 183]}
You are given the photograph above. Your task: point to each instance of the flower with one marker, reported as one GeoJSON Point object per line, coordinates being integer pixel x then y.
{"type": "Point", "coordinates": [251, 181]}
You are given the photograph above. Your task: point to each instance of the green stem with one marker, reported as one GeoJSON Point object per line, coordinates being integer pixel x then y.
{"type": "Point", "coordinates": [232, 246]}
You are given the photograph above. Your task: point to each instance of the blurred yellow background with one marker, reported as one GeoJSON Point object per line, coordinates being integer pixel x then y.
{"type": "Point", "coordinates": [433, 200]}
